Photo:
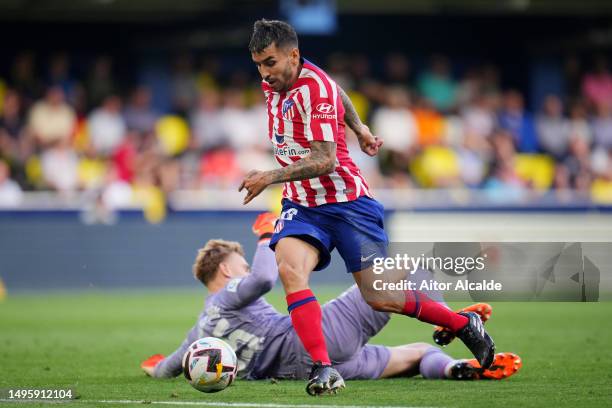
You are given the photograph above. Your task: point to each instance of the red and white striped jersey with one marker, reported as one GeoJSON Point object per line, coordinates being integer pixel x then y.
{"type": "Point", "coordinates": [312, 110]}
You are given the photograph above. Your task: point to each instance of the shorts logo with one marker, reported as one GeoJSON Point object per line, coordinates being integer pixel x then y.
{"type": "Point", "coordinates": [325, 108]}
{"type": "Point", "coordinates": [288, 214]}
{"type": "Point", "coordinates": [367, 258]}
{"type": "Point", "coordinates": [289, 109]}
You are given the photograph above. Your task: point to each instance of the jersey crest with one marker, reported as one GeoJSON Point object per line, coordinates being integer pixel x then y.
{"type": "Point", "coordinates": [289, 109]}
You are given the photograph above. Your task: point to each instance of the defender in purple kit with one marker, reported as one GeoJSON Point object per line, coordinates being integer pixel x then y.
{"type": "Point", "coordinates": [266, 344]}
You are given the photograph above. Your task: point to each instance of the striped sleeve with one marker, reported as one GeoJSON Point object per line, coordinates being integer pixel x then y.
{"type": "Point", "coordinates": [321, 99]}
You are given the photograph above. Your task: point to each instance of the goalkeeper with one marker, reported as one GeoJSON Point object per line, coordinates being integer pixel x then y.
{"type": "Point", "coordinates": [266, 344]}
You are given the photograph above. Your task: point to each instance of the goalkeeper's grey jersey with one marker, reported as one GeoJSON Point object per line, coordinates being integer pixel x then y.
{"type": "Point", "coordinates": [239, 315]}
{"type": "Point", "coordinates": [264, 340]}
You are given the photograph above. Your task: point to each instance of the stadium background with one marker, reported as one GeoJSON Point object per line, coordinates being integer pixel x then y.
{"type": "Point", "coordinates": [111, 110]}
{"type": "Point", "coordinates": [126, 125]}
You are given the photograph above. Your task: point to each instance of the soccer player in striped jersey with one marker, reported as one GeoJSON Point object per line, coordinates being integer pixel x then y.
{"type": "Point", "coordinates": [326, 201]}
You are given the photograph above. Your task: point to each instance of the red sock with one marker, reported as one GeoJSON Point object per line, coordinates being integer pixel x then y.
{"type": "Point", "coordinates": [420, 306]}
{"type": "Point", "coordinates": [306, 317]}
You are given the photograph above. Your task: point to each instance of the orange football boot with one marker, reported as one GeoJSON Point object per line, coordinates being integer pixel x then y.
{"type": "Point", "coordinates": [504, 365]}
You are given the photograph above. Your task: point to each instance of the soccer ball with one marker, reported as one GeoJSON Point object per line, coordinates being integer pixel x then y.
{"type": "Point", "coordinates": [210, 364]}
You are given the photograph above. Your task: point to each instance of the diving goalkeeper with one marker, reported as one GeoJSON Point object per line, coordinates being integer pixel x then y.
{"type": "Point", "coordinates": [266, 344]}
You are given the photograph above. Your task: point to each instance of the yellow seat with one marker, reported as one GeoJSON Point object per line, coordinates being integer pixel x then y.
{"type": "Point", "coordinates": [536, 169]}
{"type": "Point", "coordinates": [91, 172]}
{"type": "Point", "coordinates": [435, 166]}
{"type": "Point", "coordinates": [601, 191]}
{"type": "Point", "coordinates": [173, 134]}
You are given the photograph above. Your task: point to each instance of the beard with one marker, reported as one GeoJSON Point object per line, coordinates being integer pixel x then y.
{"type": "Point", "coordinates": [286, 79]}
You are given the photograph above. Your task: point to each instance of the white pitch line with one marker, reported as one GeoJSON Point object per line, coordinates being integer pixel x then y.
{"type": "Point", "coordinates": [41, 401]}
{"type": "Point", "coordinates": [207, 404]}
{"type": "Point", "coordinates": [248, 404]}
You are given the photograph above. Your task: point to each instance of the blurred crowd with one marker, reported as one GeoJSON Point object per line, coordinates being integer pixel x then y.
{"type": "Point", "coordinates": [93, 132]}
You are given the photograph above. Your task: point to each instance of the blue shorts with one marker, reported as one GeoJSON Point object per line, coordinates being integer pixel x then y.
{"type": "Point", "coordinates": [355, 228]}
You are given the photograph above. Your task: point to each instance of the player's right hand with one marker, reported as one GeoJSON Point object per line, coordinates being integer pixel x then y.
{"type": "Point", "coordinates": [148, 366]}
{"type": "Point", "coordinates": [255, 182]}
{"type": "Point", "coordinates": [368, 142]}
{"type": "Point", "coordinates": [264, 225]}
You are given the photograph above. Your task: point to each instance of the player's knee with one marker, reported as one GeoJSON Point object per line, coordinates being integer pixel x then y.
{"type": "Point", "coordinates": [288, 271]}
{"type": "Point", "coordinates": [375, 300]}
{"type": "Point", "coordinates": [293, 277]}
{"type": "Point", "coordinates": [421, 348]}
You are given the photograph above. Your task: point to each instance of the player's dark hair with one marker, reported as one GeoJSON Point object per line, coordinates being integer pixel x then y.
{"type": "Point", "coordinates": [268, 32]}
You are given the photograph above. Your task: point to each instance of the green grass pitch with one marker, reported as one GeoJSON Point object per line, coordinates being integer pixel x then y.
{"type": "Point", "coordinates": [94, 343]}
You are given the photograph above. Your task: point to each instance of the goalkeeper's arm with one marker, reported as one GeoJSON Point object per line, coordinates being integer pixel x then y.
{"type": "Point", "coordinates": [159, 366]}
{"type": "Point", "coordinates": [264, 271]}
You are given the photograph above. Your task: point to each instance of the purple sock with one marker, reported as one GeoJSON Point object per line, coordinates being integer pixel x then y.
{"type": "Point", "coordinates": [434, 363]}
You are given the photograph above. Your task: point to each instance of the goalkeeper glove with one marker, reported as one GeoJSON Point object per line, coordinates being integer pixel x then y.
{"type": "Point", "coordinates": [149, 364]}
{"type": "Point", "coordinates": [263, 226]}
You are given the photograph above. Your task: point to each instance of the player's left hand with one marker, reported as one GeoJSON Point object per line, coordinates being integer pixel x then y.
{"type": "Point", "coordinates": [255, 182]}
{"type": "Point", "coordinates": [368, 142]}
{"type": "Point", "coordinates": [148, 366]}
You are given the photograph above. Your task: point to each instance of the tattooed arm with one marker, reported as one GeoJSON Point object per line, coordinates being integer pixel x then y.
{"type": "Point", "coordinates": [367, 141]}
{"type": "Point", "coordinates": [351, 118]}
{"type": "Point", "coordinates": [320, 161]}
